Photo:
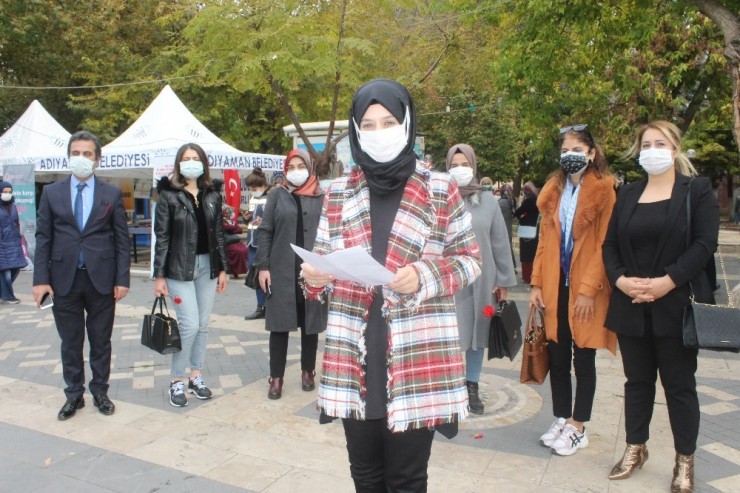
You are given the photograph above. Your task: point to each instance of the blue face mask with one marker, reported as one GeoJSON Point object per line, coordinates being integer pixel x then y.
{"type": "Point", "coordinates": [191, 169]}
{"type": "Point", "coordinates": [81, 167]}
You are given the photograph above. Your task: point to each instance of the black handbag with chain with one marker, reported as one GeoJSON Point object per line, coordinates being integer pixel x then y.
{"type": "Point", "coordinates": [705, 325]}
{"type": "Point", "coordinates": [159, 331]}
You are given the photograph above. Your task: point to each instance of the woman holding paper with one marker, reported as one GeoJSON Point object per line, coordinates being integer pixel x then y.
{"type": "Point", "coordinates": [392, 366]}
{"type": "Point", "coordinates": [291, 216]}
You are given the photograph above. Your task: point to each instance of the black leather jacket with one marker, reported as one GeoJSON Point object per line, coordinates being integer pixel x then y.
{"type": "Point", "coordinates": [176, 231]}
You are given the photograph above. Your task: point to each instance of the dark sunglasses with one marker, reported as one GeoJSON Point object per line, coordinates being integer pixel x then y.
{"type": "Point", "coordinates": [573, 128]}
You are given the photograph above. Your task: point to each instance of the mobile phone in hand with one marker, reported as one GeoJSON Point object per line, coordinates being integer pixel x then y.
{"type": "Point", "coordinates": [269, 290]}
{"type": "Point", "coordinates": [46, 302]}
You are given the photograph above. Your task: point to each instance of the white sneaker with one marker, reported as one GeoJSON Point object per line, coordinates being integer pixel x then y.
{"type": "Point", "coordinates": [570, 440]}
{"type": "Point", "coordinates": [556, 428]}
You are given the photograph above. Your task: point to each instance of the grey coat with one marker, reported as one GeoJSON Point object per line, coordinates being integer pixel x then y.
{"type": "Point", "coordinates": [276, 233]}
{"type": "Point", "coordinates": [497, 270]}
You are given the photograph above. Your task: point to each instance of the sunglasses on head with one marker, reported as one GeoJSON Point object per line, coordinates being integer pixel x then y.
{"type": "Point", "coordinates": [573, 128]}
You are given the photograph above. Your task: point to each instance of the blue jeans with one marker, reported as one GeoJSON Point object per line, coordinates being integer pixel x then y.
{"type": "Point", "coordinates": [260, 293]}
{"type": "Point", "coordinates": [193, 313]}
{"type": "Point", "coordinates": [473, 364]}
{"type": "Point", "coordinates": [6, 283]}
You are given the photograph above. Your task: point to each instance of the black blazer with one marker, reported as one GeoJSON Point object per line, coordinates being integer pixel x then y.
{"type": "Point", "coordinates": [672, 256]}
{"type": "Point", "coordinates": [104, 239]}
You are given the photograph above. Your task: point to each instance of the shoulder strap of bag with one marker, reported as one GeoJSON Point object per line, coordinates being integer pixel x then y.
{"type": "Point", "coordinates": [688, 214]}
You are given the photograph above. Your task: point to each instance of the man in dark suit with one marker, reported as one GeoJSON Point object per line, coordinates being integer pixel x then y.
{"type": "Point", "coordinates": [82, 261]}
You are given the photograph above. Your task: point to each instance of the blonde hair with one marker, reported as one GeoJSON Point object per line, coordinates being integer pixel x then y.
{"type": "Point", "coordinates": [673, 134]}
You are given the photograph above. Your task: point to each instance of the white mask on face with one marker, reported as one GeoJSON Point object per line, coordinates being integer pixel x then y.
{"type": "Point", "coordinates": [257, 193]}
{"type": "Point", "coordinates": [297, 177]}
{"type": "Point", "coordinates": [656, 161]}
{"type": "Point", "coordinates": [5, 196]}
{"type": "Point", "coordinates": [191, 169]}
{"type": "Point", "coordinates": [81, 167]}
{"type": "Point", "coordinates": [384, 145]}
{"type": "Point", "coordinates": [463, 175]}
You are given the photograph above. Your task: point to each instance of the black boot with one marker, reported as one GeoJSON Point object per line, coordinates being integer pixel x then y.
{"type": "Point", "coordinates": [476, 405]}
{"type": "Point", "coordinates": [258, 313]}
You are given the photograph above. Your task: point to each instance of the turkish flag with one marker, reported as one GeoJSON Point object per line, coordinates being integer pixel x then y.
{"type": "Point", "coordinates": [233, 190]}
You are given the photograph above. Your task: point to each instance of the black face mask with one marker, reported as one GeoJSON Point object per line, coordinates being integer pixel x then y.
{"type": "Point", "coordinates": [573, 162]}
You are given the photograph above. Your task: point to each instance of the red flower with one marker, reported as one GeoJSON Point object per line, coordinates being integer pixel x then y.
{"type": "Point", "coordinates": [177, 300]}
{"type": "Point", "coordinates": [489, 311]}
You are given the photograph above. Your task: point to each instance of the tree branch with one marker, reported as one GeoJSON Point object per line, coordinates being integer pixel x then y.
{"type": "Point", "coordinates": [695, 104]}
{"type": "Point", "coordinates": [328, 147]}
{"type": "Point", "coordinates": [278, 90]}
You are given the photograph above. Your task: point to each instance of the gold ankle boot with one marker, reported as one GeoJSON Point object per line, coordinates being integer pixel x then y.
{"type": "Point", "coordinates": [634, 456]}
{"type": "Point", "coordinates": [683, 474]}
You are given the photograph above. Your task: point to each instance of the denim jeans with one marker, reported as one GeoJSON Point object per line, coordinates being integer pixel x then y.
{"type": "Point", "coordinates": [193, 312]}
{"type": "Point", "coordinates": [6, 283]}
{"type": "Point", "coordinates": [473, 364]}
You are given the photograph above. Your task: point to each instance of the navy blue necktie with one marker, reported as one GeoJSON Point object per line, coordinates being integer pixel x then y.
{"type": "Point", "coordinates": [80, 219]}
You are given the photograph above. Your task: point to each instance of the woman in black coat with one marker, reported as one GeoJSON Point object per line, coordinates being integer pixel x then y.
{"type": "Point", "coordinates": [528, 214]}
{"type": "Point", "coordinates": [649, 265]}
{"type": "Point", "coordinates": [291, 215]}
{"type": "Point", "coordinates": [12, 259]}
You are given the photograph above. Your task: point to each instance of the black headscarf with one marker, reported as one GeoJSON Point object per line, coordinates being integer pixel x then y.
{"type": "Point", "coordinates": [384, 177]}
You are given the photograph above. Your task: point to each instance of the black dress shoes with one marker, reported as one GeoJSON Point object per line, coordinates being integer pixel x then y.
{"type": "Point", "coordinates": [104, 405]}
{"type": "Point", "coordinates": [70, 408]}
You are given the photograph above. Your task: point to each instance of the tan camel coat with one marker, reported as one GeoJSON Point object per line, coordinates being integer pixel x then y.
{"type": "Point", "coordinates": [587, 276]}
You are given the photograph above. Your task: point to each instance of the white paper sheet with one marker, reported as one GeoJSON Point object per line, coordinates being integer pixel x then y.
{"type": "Point", "coordinates": [352, 264]}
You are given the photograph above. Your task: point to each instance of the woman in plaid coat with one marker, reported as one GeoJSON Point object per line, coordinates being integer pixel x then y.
{"type": "Point", "coordinates": [392, 366]}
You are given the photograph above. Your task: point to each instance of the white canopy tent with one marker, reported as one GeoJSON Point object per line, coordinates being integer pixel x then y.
{"type": "Point", "coordinates": [149, 145]}
{"type": "Point", "coordinates": [36, 138]}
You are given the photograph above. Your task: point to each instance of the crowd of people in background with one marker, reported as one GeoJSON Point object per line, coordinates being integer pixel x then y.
{"type": "Point", "coordinates": [403, 360]}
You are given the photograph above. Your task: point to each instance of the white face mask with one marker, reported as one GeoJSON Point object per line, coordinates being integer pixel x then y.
{"type": "Point", "coordinates": [463, 175]}
{"type": "Point", "coordinates": [257, 194]}
{"type": "Point", "coordinates": [384, 145]}
{"type": "Point", "coordinates": [297, 177]}
{"type": "Point", "coordinates": [5, 197]}
{"type": "Point", "coordinates": [81, 167]}
{"type": "Point", "coordinates": [191, 169]}
{"type": "Point", "coordinates": [656, 161]}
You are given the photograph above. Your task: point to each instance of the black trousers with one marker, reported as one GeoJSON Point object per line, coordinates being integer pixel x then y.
{"type": "Point", "coordinates": [584, 361]}
{"type": "Point", "coordinates": [381, 461]}
{"type": "Point", "coordinates": [83, 307]}
{"type": "Point", "coordinates": [279, 352]}
{"type": "Point", "coordinates": [643, 357]}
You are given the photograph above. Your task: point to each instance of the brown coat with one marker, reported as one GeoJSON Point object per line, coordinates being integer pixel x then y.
{"type": "Point", "coordinates": [587, 275]}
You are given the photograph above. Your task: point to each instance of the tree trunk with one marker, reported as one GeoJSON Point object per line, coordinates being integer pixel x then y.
{"type": "Point", "coordinates": [326, 161]}
{"type": "Point", "coordinates": [730, 25]}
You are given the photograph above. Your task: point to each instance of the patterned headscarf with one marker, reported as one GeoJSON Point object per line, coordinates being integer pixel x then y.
{"type": "Point", "coordinates": [311, 187]}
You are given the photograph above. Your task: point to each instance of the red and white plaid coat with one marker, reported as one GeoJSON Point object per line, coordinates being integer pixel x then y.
{"type": "Point", "coordinates": [432, 232]}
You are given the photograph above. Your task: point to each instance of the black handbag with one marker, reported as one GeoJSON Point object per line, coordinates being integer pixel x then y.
{"type": "Point", "coordinates": [251, 280]}
{"type": "Point", "coordinates": [712, 327]}
{"type": "Point", "coordinates": [505, 332]}
{"type": "Point", "coordinates": [705, 325]}
{"type": "Point", "coordinates": [159, 331]}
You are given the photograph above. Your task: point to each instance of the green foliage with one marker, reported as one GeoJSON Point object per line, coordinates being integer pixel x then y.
{"type": "Point", "coordinates": [491, 129]}
{"type": "Point", "coordinates": [247, 68]}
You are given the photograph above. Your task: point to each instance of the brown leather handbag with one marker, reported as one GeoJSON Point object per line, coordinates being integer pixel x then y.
{"type": "Point", "coordinates": [535, 360]}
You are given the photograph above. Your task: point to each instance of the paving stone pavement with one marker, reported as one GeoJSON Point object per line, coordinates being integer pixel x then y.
{"type": "Point", "coordinates": [241, 441]}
